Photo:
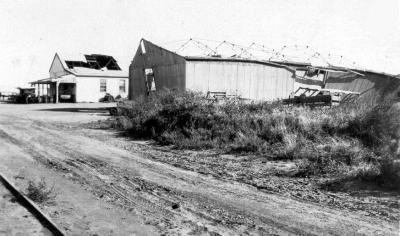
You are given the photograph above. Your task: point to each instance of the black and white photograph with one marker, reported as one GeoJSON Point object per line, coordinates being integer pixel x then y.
{"type": "Point", "coordinates": [199, 117]}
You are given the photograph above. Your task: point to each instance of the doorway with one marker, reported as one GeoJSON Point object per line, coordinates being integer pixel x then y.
{"type": "Point", "coordinates": [67, 92]}
{"type": "Point", "coordinates": [149, 81]}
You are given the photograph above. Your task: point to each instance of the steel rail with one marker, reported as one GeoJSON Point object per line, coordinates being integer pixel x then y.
{"type": "Point", "coordinates": [32, 208]}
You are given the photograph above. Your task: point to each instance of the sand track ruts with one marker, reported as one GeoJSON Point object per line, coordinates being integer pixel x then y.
{"type": "Point", "coordinates": [172, 199]}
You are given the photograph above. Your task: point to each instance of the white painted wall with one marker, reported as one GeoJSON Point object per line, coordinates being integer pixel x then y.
{"type": "Point", "coordinates": [56, 68]}
{"type": "Point", "coordinates": [88, 88]}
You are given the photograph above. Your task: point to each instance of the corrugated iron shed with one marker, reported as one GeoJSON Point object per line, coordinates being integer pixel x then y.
{"type": "Point", "coordinates": [249, 79]}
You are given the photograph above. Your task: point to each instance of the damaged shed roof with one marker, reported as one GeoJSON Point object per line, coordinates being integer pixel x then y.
{"type": "Point", "coordinates": [291, 57]}
{"type": "Point", "coordinates": [92, 65]}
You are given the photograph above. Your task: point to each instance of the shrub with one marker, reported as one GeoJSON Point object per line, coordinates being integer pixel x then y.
{"type": "Point", "coordinates": [376, 127]}
{"type": "Point", "coordinates": [40, 193]}
{"type": "Point", "coordinates": [389, 175]}
{"type": "Point", "coordinates": [327, 140]}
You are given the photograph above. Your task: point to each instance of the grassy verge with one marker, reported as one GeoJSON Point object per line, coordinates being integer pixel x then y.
{"type": "Point", "coordinates": [343, 142]}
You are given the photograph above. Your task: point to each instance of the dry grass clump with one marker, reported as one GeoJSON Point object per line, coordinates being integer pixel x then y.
{"type": "Point", "coordinates": [330, 141]}
{"type": "Point", "coordinates": [40, 192]}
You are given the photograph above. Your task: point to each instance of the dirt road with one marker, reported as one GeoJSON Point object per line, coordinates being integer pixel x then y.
{"type": "Point", "coordinates": [104, 189]}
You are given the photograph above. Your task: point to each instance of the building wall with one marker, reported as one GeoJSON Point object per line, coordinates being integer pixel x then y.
{"type": "Point", "coordinates": [247, 80]}
{"type": "Point", "coordinates": [56, 68]}
{"type": "Point", "coordinates": [88, 88]}
{"type": "Point", "coordinates": [374, 88]}
{"type": "Point", "coordinates": [168, 69]}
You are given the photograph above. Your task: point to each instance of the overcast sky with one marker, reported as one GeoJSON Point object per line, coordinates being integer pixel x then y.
{"type": "Point", "coordinates": [32, 31]}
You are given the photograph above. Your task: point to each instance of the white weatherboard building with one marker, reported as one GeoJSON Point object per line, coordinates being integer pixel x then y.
{"type": "Point", "coordinates": [83, 79]}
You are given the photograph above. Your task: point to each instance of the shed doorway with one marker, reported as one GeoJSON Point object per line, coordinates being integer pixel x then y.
{"type": "Point", "coordinates": [149, 81]}
{"type": "Point", "coordinates": [67, 92]}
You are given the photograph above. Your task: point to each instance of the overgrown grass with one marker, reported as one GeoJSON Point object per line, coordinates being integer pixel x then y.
{"type": "Point", "coordinates": [40, 192]}
{"type": "Point", "coordinates": [343, 140]}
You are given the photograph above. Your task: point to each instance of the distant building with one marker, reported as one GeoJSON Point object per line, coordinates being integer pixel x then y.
{"type": "Point", "coordinates": [85, 79]}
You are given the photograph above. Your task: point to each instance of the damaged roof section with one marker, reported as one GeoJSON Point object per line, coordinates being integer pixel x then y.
{"type": "Point", "coordinates": [294, 57]}
{"type": "Point", "coordinates": [95, 61]}
{"type": "Point", "coordinates": [89, 65]}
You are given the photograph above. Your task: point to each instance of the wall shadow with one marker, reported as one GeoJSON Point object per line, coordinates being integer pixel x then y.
{"type": "Point", "coordinates": [78, 109]}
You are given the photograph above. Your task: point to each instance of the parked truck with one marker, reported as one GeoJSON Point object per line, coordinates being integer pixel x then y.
{"type": "Point", "coordinates": [26, 95]}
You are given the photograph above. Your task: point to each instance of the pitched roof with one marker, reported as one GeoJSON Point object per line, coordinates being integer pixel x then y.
{"type": "Point", "coordinates": [92, 65]}
{"type": "Point", "coordinates": [88, 72]}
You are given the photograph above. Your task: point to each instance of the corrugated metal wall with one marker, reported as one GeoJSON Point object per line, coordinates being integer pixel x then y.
{"type": "Point", "coordinates": [373, 87]}
{"type": "Point", "coordinates": [168, 68]}
{"type": "Point", "coordinates": [248, 80]}
{"type": "Point", "coordinates": [170, 76]}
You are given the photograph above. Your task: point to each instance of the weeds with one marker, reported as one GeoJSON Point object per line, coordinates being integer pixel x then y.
{"type": "Point", "coordinates": [40, 192]}
{"type": "Point", "coordinates": [329, 141]}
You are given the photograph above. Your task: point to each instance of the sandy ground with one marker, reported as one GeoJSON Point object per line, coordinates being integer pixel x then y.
{"type": "Point", "coordinates": [104, 188]}
{"type": "Point", "coordinates": [15, 219]}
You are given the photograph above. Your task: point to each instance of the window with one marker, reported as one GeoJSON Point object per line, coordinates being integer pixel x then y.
{"type": "Point", "coordinates": [122, 86]}
{"type": "Point", "coordinates": [142, 47]}
{"type": "Point", "coordinates": [103, 85]}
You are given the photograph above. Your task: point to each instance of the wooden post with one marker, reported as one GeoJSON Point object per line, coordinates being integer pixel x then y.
{"type": "Point", "coordinates": [44, 94]}
{"type": "Point", "coordinates": [47, 93]}
{"type": "Point", "coordinates": [57, 83]}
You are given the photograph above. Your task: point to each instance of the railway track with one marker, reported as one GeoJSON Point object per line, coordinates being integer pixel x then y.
{"type": "Point", "coordinates": [36, 213]}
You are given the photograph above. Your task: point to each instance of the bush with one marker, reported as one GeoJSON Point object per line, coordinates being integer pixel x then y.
{"type": "Point", "coordinates": [328, 140]}
{"type": "Point", "coordinates": [389, 175]}
{"type": "Point", "coordinates": [377, 127]}
{"type": "Point", "coordinates": [40, 193]}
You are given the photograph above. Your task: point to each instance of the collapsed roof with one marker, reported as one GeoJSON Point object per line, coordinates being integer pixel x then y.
{"type": "Point", "coordinates": [296, 56]}
{"type": "Point", "coordinates": [92, 65]}
{"type": "Point", "coordinates": [95, 61]}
